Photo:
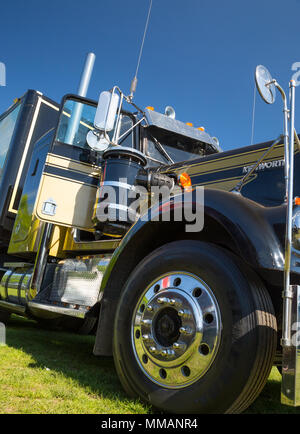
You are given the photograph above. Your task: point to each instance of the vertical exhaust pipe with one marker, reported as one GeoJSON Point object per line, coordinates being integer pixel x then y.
{"type": "Point", "coordinates": [86, 74]}
{"type": "Point", "coordinates": [82, 91]}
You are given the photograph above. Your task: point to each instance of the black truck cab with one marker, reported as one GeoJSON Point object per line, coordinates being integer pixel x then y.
{"type": "Point", "coordinates": [28, 119]}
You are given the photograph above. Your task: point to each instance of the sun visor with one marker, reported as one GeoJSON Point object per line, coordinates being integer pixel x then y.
{"type": "Point", "coordinates": [166, 123]}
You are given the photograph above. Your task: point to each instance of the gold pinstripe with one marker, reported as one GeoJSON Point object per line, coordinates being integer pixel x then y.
{"type": "Point", "coordinates": [219, 165]}
{"type": "Point", "coordinates": [68, 179]}
{"type": "Point", "coordinates": [66, 163]}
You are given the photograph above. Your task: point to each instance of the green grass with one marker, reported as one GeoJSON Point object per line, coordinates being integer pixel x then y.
{"type": "Point", "coordinates": [54, 372]}
{"type": "Point", "coordinates": [45, 371]}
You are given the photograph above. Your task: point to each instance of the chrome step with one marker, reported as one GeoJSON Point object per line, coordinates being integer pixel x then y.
{"type": "Point", "coordinates": [12, 307]}
{"type": "Point", "coordinates": [76, 313]}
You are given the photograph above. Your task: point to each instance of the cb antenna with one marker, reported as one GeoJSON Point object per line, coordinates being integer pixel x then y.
{"type": "Point", "coordinates": [135, 80]}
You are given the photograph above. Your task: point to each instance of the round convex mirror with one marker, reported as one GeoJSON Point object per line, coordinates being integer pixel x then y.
{"type": "Point", "coordinates": [264, 86]}
{"type": "Point", "coordinates": [99, 144]}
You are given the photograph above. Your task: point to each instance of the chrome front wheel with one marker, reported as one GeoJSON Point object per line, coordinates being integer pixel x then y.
{"type": "Point", "coordinates": [194, 331]}
{"type": "Point", "coordinates": [176, 329]}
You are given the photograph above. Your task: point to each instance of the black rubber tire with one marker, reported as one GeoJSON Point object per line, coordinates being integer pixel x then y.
{"type": "Point", "coordinates": [248, 339]}
{"type": "Point", "coordinates": [4, 316]}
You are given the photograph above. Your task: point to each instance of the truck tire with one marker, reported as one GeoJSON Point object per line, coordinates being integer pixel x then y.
{"type": "Point", "coordinates": [195, 331]}
{"type": "Point", "coordinates": [4, 316]}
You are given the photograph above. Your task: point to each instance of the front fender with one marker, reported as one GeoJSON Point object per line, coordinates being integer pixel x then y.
{"type": "Point", "coordinates": [256, 231]}
{"type": "Point", "coordinates": [253, 232]}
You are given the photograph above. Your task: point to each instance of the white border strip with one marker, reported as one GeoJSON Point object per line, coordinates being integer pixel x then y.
{"type": "Point", "coordinates": [22, 162]}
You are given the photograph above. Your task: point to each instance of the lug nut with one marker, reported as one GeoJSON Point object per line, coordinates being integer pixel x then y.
{"type": "Point", "coordinates": [184, 313]}
{"type": "Point", "coordinates": [174, 302]}
{"type": "Point", "coordinates": [146, 322]}
{"type": "Point", "coordinates": [153, 350]}
{"type": "Point", "coordinates": [167, 353]}
{"type": "Point", "coordinates": [170, 301]}
{"type": "Point", "coordinates": [147, 337]}
{"type": "Point", "coordinates": [185, 330]}
{"type": "Point", "coordinates": [150, 308]}
{"type": "Point", "coordinates": [163, 300]}
{"type": "Point", "coordinates": [179, 346]}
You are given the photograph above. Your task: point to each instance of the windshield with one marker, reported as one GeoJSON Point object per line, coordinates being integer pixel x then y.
{"type": "Point", "coordinates": [166, 149]}
{"type": "Point", "coordinates": [7, 126]}
{"type": "Point", "coordinates": [78, 119]}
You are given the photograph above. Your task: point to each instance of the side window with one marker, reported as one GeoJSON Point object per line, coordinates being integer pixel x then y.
{"type": "Point", "coordinates": [125, 134]}
{"type": "Point", "coordinates": [153, 152]}
{"type": "Point", "coordinates": [76, 121]}
{"type": "Point", "coordinates": [7, 127]}
{"type": "Point", "coordinates": [175, 148]}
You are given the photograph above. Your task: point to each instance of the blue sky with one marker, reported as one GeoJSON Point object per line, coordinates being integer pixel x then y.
{"type": "Point", "coordinates": [199, 56]}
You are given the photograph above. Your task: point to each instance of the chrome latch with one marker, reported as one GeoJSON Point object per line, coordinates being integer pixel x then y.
{"type": "Point", "coordinates": [49, 207]}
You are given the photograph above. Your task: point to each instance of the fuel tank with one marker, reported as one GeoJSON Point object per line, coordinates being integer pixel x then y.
{"type": "Point", "coordinates": [15, 285]}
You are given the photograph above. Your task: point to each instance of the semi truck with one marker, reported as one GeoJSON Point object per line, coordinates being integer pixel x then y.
{"type": "Point", "coordinates": [194, 316]}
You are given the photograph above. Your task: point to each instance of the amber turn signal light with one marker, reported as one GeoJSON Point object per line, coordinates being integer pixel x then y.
{"type": "Point", "coordinates": [297, 201]}
{"type": "Point", "coordinates": [185, 180]}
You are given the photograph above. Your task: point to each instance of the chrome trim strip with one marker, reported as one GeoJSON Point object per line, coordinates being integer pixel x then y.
{"type": "Point", "coordinates": [29, 137]}
{"type": "Point", "coordinates": [119, 185]}
{"type": "Point", "coordinates": [41, 258]}
{"type": "Point", "coordinates": [17, 265]}
{"type": "Point", "coordinates": [57, 309]}
{"type": "Point", "coordinates": [22, 162]}
{"type": "Point", "coordinates": [99, 246]}
{"type": "Point", "coordinates": [12, 307]}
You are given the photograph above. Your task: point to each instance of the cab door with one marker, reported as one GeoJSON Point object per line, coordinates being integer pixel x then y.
{"type": "Point", "coordinates": [71, 174]}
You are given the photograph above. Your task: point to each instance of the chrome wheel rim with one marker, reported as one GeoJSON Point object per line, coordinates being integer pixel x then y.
{"type": "Point", "coordinates": [176, 330]}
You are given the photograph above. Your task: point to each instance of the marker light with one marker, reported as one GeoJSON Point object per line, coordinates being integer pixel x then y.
{"type": "Point", "coordinates": [150, 108]}
{"type": "Point", "coordinates": [201, 128]}
{"type": "Point", "coordinates": [189, 124]}
{"type": "Point", "coordinates": [184, 180]}
{"type": "Point", "coordinates": [297, 201]}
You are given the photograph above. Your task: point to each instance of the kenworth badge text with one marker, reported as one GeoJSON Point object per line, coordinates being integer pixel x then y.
{"type": "Point", "coordinates": [181, 259]}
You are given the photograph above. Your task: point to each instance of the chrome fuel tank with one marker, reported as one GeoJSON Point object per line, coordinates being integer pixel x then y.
{"type": "Point", "coordinates": [15, 284]}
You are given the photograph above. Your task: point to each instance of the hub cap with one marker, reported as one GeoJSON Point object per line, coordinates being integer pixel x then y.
{"type": "Point", "coordinates": [176, 330]}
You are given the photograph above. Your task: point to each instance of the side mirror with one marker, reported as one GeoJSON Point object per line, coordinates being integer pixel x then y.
{"type": "Point", "coordinates": [104, 121]}
{"type": "Point", "coordinates": [265, 84]}
{"type": "Point", "coordinates": [106, 111]}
